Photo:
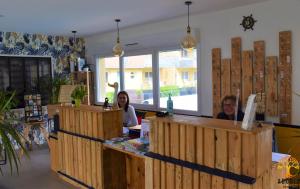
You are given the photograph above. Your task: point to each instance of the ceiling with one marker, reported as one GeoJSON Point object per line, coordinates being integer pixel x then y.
{"type": "Point", "coordinates": [60, 17]}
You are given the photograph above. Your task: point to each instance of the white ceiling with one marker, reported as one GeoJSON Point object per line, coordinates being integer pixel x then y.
{"type": "Point", "coordinates": [59, 17]}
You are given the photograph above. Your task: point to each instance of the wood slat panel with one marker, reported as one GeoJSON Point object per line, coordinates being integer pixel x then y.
{"type": "Point", "coordinates": [221, 157]}
{"type": "Point", "coordinates": [216, 79]}
{"type": "Point", "coordinates": [285, 76]}
{"type": "Point", "coordinates": [199, 156]}
{"type": "Point", "coordinates": [234, 158]}
{"type": "Point", "coordinates": [170, 174]}
{"type": "Point", "coordinates": [175, 152]}
{"type": "Point", "coordinates": [190, 155]}
{"type": "Point", "coordinates": [247, 70]}
{"type": "Point", "coordinates": [225, 78]}
{"type": "Point", "coordinates": [259, 75]}
{"type": "Point", "coordinates": [248, 155]}
{"type": "Point", "coordinates": [271, 86]}
{"type": "Point", "coordinates": [236, 48]}
{"type": "Point", "coordinates": [149, 173]}
{"type": "Point", "coordinates": [161, 150]}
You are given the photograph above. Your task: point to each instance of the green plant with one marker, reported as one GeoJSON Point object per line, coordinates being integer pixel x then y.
{"type": "Point", "coordinates": [79, 92]}
{"type": "Point", "coordinates": [57, 81]}
{"type": "Point", "coordinates": [170, 89]}
{"type": "Point", "coordinates": [8, 132]}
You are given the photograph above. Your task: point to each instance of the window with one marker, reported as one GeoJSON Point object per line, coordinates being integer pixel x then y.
{"type": "Point", "coordinates": [26, 75]}
{"type": "Point", "coordinates": [182, 90]}
{"type": "Point", "coordinates": [138, 87]}
{"type": "Point", "coordinates": [148, 75]}
{"type": "Point", "coordinates": [185, 75]}
{"type": "Point", "coordinates": [107, 72]}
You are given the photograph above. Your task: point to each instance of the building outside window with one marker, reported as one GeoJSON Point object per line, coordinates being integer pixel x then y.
{"type": "Point", "coordinates": [182, 89]}
{"type": "Point", "coordinates": [139, 88]}
{"type": "Point", "coordinates": [108, 71]}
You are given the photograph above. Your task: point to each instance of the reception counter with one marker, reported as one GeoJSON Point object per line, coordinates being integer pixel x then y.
{"type": "Point", "coordinates": [185, 152]}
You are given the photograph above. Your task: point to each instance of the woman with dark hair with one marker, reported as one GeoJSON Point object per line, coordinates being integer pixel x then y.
{"type": "Point", "coordinates": [228, 109]}
{"type": "Point", "coordinates": [129, 117]}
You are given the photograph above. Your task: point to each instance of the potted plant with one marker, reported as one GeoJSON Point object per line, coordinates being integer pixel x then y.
{"type": "Point", "coordinates": [57, 81]}
{"type": "Point", "coordinates": [78, 94]}
{"type": "Point", "coordinates": [9, 135]}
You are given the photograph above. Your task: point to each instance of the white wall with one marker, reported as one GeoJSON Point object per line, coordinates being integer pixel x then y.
{"type": "Point", "coordinates": [216, 30]}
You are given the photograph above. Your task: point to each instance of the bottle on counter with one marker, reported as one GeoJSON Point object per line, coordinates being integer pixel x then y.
{"type": "Point", "coordinates": [170, 105]}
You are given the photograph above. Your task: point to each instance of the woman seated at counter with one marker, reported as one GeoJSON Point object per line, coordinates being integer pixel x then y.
{"type": "Point", "coordinates": [228, 109]}
{"type": "Point", "coordinates": [129, 117]}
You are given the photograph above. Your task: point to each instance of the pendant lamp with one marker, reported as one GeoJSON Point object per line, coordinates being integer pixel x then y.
{"type": "Point", "coordinates": [118, 49]}
{"type": "Point", "coordinates": [188, 42]}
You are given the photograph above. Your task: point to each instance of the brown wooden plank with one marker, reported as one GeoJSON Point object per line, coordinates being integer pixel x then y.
{"type": "Point", "coordinates": [216, 79]}
{"type": "Point", "coordinates": [285, 76]}
{"type": "Point", "coordinates": [88, 163]}
{"type": "Point", "coordinates": [156, 172]}
{"type": "Point", "coordinates": [236, 48]}
{"type": "Point", "coordinates": [190, 155]}
{"type": "Point", "coordinates": [258, 183]}
{"type": "Point", "coordinates": [249, 155]}
{"type": "Point", "coordinates": [221, 157]}
{"type": "Point", "coordinates": [170, 168]}
{"type": "Point", "coordinates": [99, 161]}
{"type": "Point", "coordinates": [247, 70]}
{"type": "Point", "coordinates": [161, 150]}
{"type": "Point", "coordinates": [100, 126]}
{"type": "Point", "coordinates": [259, 74]}
{"type": "Point", "coordinates": [234, 158]}
{"type": "Point", "coordinates": [94, 156]}
{"type": "Point", "coordinates": [225, 77]}
{"type": "Point", "coordinates": [149, 173]}
{"type": "Point", "coordinates": [271, 86]}
{"type": "Point", "coordinates": [209, 156]}
{"type": "Point", "coordinates": [175, 152]}
{"type": "Point", "coordinates": [205, 180]}
{"type": "Point", "coordinates": [199, 156]}
{"type": "Point", "coordinates": [244, 186]}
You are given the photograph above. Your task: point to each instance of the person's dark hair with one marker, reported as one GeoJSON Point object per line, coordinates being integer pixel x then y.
{"type": "Point", "coordinates": [127, 103]}
{"type": "Point", "coordinates": [233, 99]}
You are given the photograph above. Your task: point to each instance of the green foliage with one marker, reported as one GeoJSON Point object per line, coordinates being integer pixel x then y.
{"type": "Point", "coordinates": [7, 130]}
{"type": "Point", "coordinates": [79, 92]}
{"type": "Point", "coordinates": [110, 96]}
{"type": "Point", "coordinates": [56, 83]}
{"type": "Point", "coordinates": [170, 89]}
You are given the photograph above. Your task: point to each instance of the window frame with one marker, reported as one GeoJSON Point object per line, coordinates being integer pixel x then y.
{"type": "Point", "coordinates": [155, 78]}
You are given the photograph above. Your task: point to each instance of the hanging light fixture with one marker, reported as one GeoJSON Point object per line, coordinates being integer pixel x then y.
{"type": "Point", "coordinates": [188, 42]}
{"type": "Point", "coordinates": [118, 49]}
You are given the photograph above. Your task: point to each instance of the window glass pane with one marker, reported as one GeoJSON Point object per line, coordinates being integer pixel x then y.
{"type": "Point", "coordinates": [108, 72]}
{"type": "Point", "coordinates": [177, 77]}
{"type": "Point", "coordinates": [4, 74]}
{"type": "Point", "coordinates": [137, 81]}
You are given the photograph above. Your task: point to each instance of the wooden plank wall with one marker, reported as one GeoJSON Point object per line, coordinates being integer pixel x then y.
{"type": "Point", "coordinates": [225, 77]}
{"type": "Point", "coordinates": [247, 71]}
{"type": "Point", "coordinates": [216, 66]}
{"type": "Point", "coordinates": [238, 152]}
{"type": "Point", "coordinates": [271, 86]}
{"type": "Point", "coordinates": [285, 76]}
{"type": "Point", "coordinates": [236, 68]}
{"type": "Point", "coordinates": [247, 78]}
{"type": "Point", "coordinates": [259, 74]}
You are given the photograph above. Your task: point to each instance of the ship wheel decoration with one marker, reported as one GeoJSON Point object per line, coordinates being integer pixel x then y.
{"type": "Point", "coordinates": [248, 22]}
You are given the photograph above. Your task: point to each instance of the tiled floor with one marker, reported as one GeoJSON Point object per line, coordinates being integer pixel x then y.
{"type": "Point", "coordinates": [34, 173]}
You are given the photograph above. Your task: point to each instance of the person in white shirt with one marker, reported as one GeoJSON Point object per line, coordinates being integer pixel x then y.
{"type": "Point", "coordinates": [129, 116]}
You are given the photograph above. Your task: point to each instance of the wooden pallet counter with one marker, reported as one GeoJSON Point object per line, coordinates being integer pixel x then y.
{"type": "Point", "coordinates": [80, 144]}
{"type": "Point", "coordinates": [193, 152]}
